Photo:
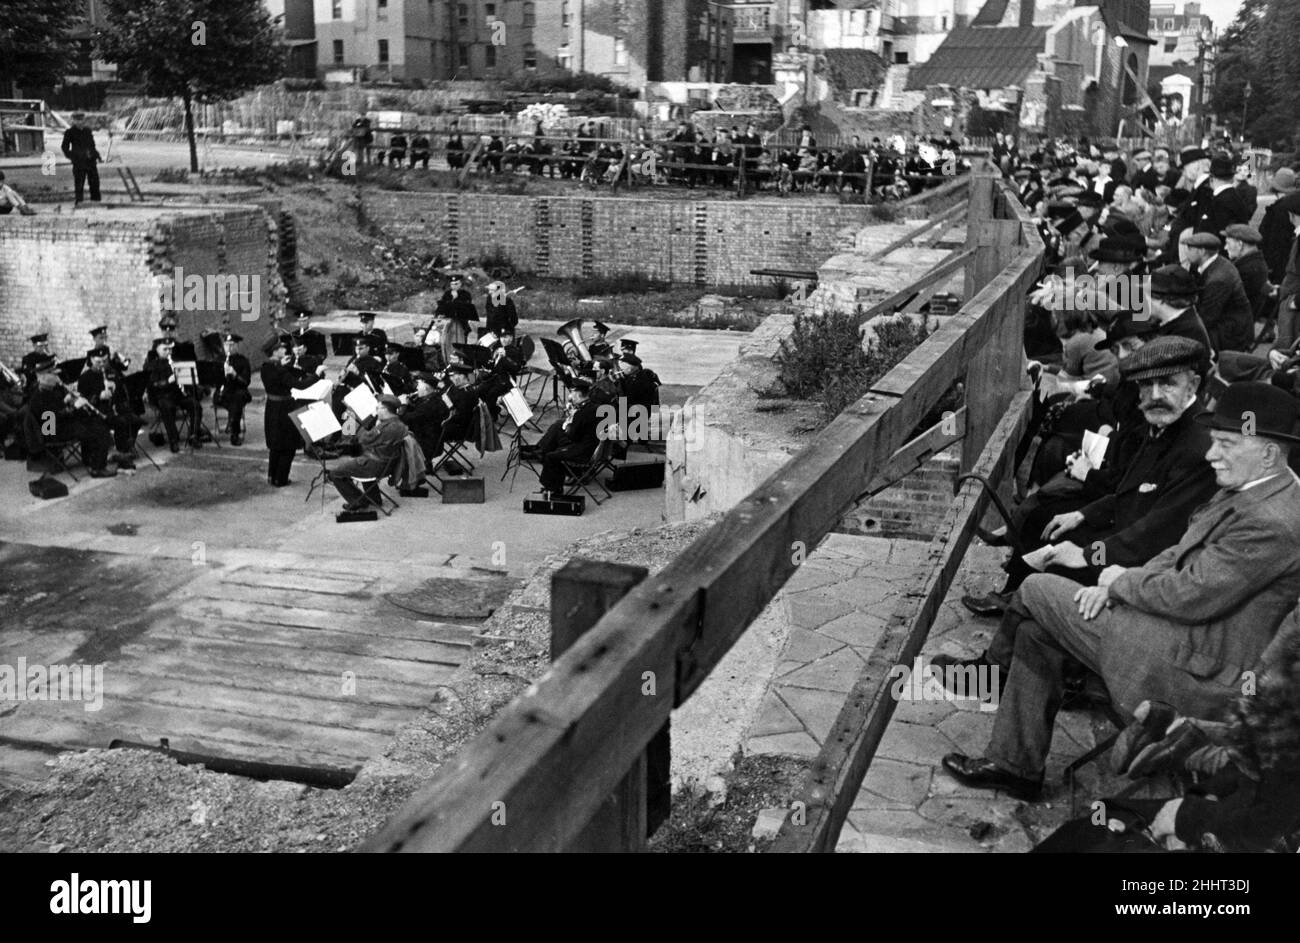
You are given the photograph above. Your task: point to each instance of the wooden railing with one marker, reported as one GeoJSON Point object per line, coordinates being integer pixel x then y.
{"type": "Point", "coordinates": [578, 761]}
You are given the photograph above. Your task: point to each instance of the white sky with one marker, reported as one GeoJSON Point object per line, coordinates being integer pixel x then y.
{"type": "Point", "coordinates": [1222, 12]}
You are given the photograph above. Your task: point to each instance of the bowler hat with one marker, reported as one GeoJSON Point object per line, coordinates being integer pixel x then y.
{"type": "Point", "coordinates": [1252, 407]}
{"type": "Point", "coordinates": [1162, 357]}
{"type": "Point", "coordinates": [1173, 281]}
{"type": "Point", "coordinates": [1090, 198]}
{"type": "Point", "coordinates": [1190, 154]}
{"type": "Point", "coordinates": [1222, 166]}
{"type": "Point", "coordinates": [1114, 249]}
{"type": "Point", "coordinates": [1284, 180]}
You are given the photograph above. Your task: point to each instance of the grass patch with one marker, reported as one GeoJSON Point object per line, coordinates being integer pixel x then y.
{"type": "Point", "coordinates": [698, 823]}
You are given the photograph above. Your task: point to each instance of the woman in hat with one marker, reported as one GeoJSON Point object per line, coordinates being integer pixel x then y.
{"type": "Point", "coordinates": [456, 308]}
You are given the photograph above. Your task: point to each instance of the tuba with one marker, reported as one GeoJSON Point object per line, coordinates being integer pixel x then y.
{"type": "Point", "coordinates": [573, 331]}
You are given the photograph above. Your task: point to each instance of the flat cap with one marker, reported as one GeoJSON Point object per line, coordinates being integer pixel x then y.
{"type": "Point", "coordinates": [1205, 240]}
{"type": "Point", "coordinates": [392, 402]}
{"type": "Point", "coordinates": [1245, 233]}
{"type": "Point", "coordinates": [1162, 357]}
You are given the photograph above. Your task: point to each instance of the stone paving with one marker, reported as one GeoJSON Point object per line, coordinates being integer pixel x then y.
{"type": "Point", "coordinates": [836, 606]}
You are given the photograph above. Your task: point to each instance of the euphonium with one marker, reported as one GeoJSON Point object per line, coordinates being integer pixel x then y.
{"type": "Point", "coordinates": [573, 331]}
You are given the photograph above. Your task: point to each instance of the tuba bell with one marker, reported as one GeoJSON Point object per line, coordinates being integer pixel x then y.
{"type": "Point", "coordinates": [573, 331]}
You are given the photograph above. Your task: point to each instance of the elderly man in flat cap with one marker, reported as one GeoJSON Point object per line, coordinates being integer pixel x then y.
{"type": "Point", "coordinates": [1183, 627]}
{"type": "Point", "coordinates": [1241, 244]}
{"type": "Point", "coordinates": [1223, 306]}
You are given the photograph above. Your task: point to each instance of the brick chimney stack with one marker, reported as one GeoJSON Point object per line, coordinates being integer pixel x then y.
{"type": "Point", "coordinates": [1026, 13]}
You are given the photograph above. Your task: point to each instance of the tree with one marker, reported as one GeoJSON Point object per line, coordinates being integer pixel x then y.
{"type": "Point", "coordinates": [195, 50]}
{"type": "Point", "coordinates": [1260, 48]}
{"type": "Point", "coordinates": [35, 48]}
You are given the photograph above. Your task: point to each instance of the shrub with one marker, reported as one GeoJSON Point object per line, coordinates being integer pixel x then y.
{"type": "Point", "coordinates": [823, 359]}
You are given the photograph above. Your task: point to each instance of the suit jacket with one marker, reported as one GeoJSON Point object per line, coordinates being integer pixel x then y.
{"type": "Point", "coordinates": [1221, 211]}
{"type": "Point", "coordinates": [379, 444]}
{"type": "Point", "coordinates": [1189, 325]}
{"type": "Point", "coordinates": [1202, 612]}
{"type": "Point", "coordinates": [1253, 269]}
{"type": "Point", "coordinates": [1163, 482]}
{"type": "Point", "coordinates": [1224, 308]}
{"type": "Point", "coordinates": [1279, 235]}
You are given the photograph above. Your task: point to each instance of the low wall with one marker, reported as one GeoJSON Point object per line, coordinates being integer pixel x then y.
{"type": "Point", "coordinates": [66, 273]}
{"type": "Point", "coordinates": [706, 243]}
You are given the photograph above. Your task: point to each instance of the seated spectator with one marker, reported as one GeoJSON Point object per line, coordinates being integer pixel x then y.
{"type": "Point", "coordinates": [378, 443]}
{"type": "Point", "coordinates": [1242, 246]}
{"type": "Point", "coordinates": [1181, 628]}
{"type": "Point", "coordinates": [1155, 486]}
{"type": "Point", "coordinates": [1223, 306]}
{"type": "Point", "coordinates": [10, 200]}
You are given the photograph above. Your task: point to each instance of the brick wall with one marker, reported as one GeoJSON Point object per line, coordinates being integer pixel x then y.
{"type": "Point", "coordinates": [912, 508]}
{"type": "Point", "coordinates": [67, 274]}
{"type": "Point", "coordinates": [705, 243]}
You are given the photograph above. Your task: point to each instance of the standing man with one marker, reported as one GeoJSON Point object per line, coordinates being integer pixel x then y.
{"type": "Point", "coordinates": [282, 440]}
{"type": "Point", "coordinates": [79, 147]}
{"type": "Point", "coordinates": [1224, 308]}
{"type": "Point", "coordinates": [456, 308]}
{"type": "Point", "coordinates": [233, 393]}
{"type": "Point", "coordinates": [312, 339]}
{"type": "Point", "coordinates": [1226, 205]}
{"type": "Point", "coordinates": [362, 137]}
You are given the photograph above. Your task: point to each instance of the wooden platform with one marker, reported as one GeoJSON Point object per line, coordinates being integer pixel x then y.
{"type": "Point", "coordinates": [280, 666]}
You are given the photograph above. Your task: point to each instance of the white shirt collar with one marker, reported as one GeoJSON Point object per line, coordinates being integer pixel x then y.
{"type": "Point", "coordinates": [1206, 264]}
{"type": "Point", "coordinates": [1259, 481]}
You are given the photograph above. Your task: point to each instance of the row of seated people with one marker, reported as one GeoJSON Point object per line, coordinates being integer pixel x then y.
{"type": "Point", "coordinates": [1154, 581]}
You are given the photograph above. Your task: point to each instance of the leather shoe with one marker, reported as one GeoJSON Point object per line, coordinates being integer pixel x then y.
{"type": "Point", "coordinates": [104, 472]}
{"type": "Point", "coordinates": [981, 773]}
{"type": "Point", "coordinates": [959, 674]}
{"type": "Point", "coordinates": [1152, 720]}
{"type": "Point", "coordinates": [990, 604]}
{"type": "Point", "coordinates": [236, 440]}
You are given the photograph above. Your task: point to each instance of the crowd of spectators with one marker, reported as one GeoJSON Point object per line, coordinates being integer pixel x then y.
{"type": "Point", "coordinates": [1154, 569]}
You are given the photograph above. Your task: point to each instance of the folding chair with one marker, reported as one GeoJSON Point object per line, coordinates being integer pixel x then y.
{"type": "Point", "coordinates": [373, 494]}
{"type": "Point", "coordinates": [63, 453]}
{"type": "Point", "coordinates": [585, 474]}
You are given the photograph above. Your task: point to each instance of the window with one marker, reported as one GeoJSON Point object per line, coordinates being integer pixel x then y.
{"type": "Point", "coordinates": [900, 58]}
{"type": "Point", "coordinates": [490, 56]}
{"type": "Point", "coordinates": [338, 52]}
{"type": "Point", "coordinates": [1171, 44]}
{"type": "Point", "coordinates": [943, 24]}
{"type": "Point", "coordinates": [462, 14]}
{"type": "Point", "coordinates": [530, 14]}
{"type": "Point", "coordinates": [383, 52]}
{"type": "Point", "coordinates": [620, 51]}
{"type": "Point", "coordinates": [564, 58]}
{"type": "Point", "coordinates": [464, 55]}
{"type": "Point", "coordinates": [336, 10]}
{"type": "Point", "coordinates": [566, 13]}
{"type": "Point", "coordinates": [530, 56]}
{"type": "Point", "coordinates": [381, 9]}
{"type": "Point", "coordinates": [1169, 23]}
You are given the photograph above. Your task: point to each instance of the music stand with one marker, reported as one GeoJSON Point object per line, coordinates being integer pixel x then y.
{"type": "Point", "coordinates": [516, 406]}
{"type": "Point", "coordinates": [561, 370]}
{"type": "Point", "coordinates": [314, 422]}
{"type": "Point", "coordinates": [187, 373]}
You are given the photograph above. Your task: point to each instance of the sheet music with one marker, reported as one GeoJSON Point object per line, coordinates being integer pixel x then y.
{"type": "Point", "coordinates": [517, 405]}
{"type": "Point", "coordinates": [319, 421]}
{"type": "Point", "coordinates": [362, 402]}
{"type": "Point", "coordinates": [317, 391]}
{"type": "Point", "coordinates": [186, 372]}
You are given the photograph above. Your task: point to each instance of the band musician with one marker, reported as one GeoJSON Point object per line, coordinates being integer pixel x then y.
{"type": "Point", "coordinates": [232, 395]}
{"type": "Point", "coordinates": [378, 442]}
{"type": "Point", "coordinates": [59, 412]}
{"type": "Point", "coordinates": [573, 439]}
{"type": "Point", "coordinates": [104, 388]}
{"type": "Point", "coordinates": [168, 397]}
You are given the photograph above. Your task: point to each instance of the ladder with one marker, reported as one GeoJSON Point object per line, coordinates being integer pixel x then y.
{"type": "Point", "coordinates": [128, 181]}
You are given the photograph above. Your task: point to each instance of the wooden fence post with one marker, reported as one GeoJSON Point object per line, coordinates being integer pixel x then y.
{"type": "Point", "coordinates": [582, 591]}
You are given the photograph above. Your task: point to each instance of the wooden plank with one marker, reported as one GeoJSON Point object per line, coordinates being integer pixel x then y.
{"type": "Point", "coordinates": [945, 269]}
{"type": "Point", "coordinates": [299, 684]}
{"type": "Point", "coordinates": [320, 640]}
{"type": "Point", "coordinates": [925, 231]}
{"type": "Point", "coordinates": [828, 792]}
{"type": "Point", "coordinates": [538, 773]}
{"type": "Point", "coordinates": [297, 581]}
{"type": "Point", "coordinates": [444, 633]}
{"type": "Point", "coordinates": [302, 598]}
{"type": "Point", "coordinates": [917, 452]}
{"type": "Point", "coordinates": [340, 710]}
{"type": "Point", "coordinates": [305, 660]}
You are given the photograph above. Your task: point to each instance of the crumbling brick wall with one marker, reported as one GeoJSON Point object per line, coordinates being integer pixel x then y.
{"type": "Point", "coordinates": [711, 242]}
